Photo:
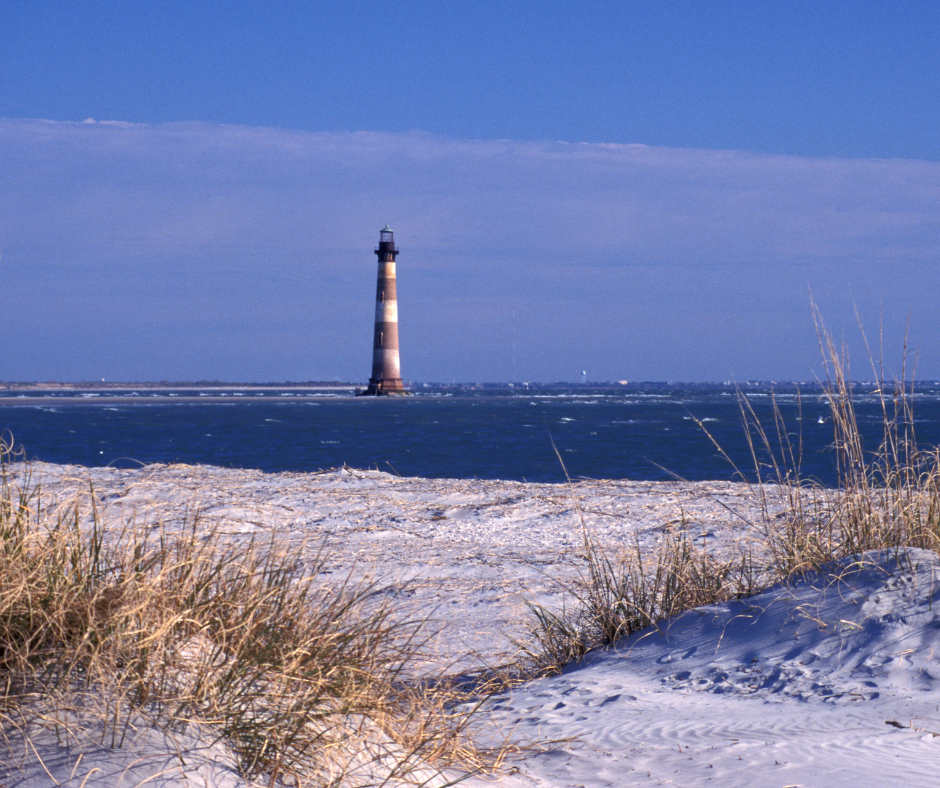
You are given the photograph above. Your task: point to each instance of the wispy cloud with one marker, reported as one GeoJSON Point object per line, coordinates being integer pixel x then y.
{"type": "Point", "coordinates": [628, 260]}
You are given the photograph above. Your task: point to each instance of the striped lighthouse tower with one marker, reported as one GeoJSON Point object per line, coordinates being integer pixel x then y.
{"type": "Point", "coordinates": [386, 369]}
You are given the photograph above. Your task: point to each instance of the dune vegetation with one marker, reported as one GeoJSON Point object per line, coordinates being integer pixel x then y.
{"type": "Point", "coordinates": [888, 498]}
{"type": "Point", "coordinates": [128, 625]}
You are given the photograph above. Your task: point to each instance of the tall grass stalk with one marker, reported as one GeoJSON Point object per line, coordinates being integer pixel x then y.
{"type": "Point", "coordinates": [889, 493]}
{"type": "Point", "coordinates": [888, 490]}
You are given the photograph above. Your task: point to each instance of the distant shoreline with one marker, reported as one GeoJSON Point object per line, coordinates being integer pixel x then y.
{"type": "Point", "coordinates": [167, 386]}
{"type": "Point", "coordinates": [33, 394]}
{"type": "Point", "coordinates": [18, 394]}
{"type": "Point", "coordinates": [622, 385]}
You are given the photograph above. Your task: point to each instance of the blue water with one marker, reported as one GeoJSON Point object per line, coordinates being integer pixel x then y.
{"type": "Point", "coordinates": [634, 434]}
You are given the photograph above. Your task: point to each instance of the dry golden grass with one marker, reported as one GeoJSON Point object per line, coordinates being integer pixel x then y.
{"type": "Point", "coordinates": [630, 591]}
{"type": "Point", "coordinates": [888, 498]}
{"type": "Point", "coordinates": [180, 630]}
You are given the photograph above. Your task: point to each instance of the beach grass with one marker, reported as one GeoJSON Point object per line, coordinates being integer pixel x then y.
{"type": "Point", "coordinates": [124, 623]}
{"type": "Point", "coordinates": [888, 495]}
{"type": "Point", "coordinates": [887, 498]}
{"type": "Point", "coordinates": [625, 591]}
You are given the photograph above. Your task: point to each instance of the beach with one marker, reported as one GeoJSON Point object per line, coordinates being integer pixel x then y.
{"type": "Point", "coordinates": [466, 554]}
{"type": "Point", "coordinates": [820, 682]}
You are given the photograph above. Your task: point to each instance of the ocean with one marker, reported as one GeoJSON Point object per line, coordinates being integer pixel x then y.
{"type": "Point", "coordinates": [544, 435]}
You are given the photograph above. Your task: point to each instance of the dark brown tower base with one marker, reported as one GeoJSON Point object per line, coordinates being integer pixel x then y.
{"type": "Point", "coordinates": [384, 388]}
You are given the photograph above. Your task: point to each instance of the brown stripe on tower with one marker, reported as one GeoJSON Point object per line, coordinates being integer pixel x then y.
{"type": "Point", "coordinates": [386, 369]}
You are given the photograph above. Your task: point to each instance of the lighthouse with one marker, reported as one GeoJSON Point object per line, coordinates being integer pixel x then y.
{"type": "Point", "coordinates": [386, 369]}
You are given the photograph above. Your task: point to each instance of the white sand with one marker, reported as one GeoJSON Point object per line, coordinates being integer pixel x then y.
{"type": "Point", "coordinates": [826, 683]}
{"type": "Point", "coordinates": [77, 753]}
{"type": "Point", "coordinates": [822, 683]}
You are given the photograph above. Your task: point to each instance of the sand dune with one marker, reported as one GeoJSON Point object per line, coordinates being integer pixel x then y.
{"type": "Point", "coordinates": [825, 682]}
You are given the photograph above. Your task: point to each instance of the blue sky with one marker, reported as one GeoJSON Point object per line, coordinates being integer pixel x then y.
{"type": "Point", "coordinates": [641, 190]}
